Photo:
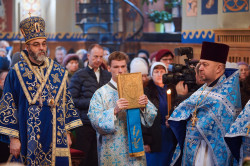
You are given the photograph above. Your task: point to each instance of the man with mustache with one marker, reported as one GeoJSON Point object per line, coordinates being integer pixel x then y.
{"type": "Point", "coordinates": [37, 111]}
{"type": "Point", "coordinates": [201, 121]}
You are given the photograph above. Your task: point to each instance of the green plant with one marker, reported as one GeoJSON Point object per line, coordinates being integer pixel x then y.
{"type": "Point", "coordinates": [173, 6]}
{"type": "Point", "coordinates": [149, 1]}
{"type": "Point", "coordinates": [160, 16]}
{"type": "Point", "coordinates": [168, 3]}
{"type": "Point", "coordinates": [172, 3]}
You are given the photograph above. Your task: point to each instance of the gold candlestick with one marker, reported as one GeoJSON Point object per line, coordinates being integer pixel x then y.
{"type": "Point", "coordinates": [169, 100]}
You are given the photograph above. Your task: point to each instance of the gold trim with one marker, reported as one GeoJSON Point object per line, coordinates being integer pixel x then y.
{"type": "Point", "coordinates": [62, 152]}
{"type": "Point", "coordinates": [54, 152]}
{"type": "Point", "coordinates": [53, 160]}
{"type": "Point", "coordinates": [64, 100]}
{"type": "Point", "coordinates": [35, 38]}
{"type": "Point", "coordinates": [22, 83]}
{"type": "Point", "coordinates": [137, 154]}
{"type": "Point", "coordinates": [73, 124]}
{"type": "Point", "coordinates": [64, 112]}
{"type": "Point", "coordinates": [9, 132]}
{"type": "Point", "coordinates": [39, 91]}
{"type": "Point", "coordinates": [33, 101]}
{"type": "Point", "coordinates": [31, 67]}
{"type": "Point", "coordinates": [61, 87]}
{"type": "Point", "coordinates": [70, 162]}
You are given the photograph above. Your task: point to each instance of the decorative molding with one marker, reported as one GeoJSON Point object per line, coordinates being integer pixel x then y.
{"type": "Point", "coordinates": [235, 6]}
{"type": "Point", "coordinates": [197, 36]}
{"type": "Point", "coordinates": [75, 36]}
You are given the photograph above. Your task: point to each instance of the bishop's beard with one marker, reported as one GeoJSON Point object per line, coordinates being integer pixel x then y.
{"type": "Point", "coordinates": [38, 56]}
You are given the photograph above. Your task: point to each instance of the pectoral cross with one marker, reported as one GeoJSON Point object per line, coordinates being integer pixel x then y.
{"type": "Point", "coordinates": [41, 101]}
{"type": "Point", "coordinates": [29, 13]}
{"type": "Point", "coordinates": [194, 119]}
{"type": "Point", "coordinates": [248, 129]}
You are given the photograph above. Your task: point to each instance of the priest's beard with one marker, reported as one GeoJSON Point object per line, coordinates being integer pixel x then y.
{"type": "Point", "coordinates": [38, 57]}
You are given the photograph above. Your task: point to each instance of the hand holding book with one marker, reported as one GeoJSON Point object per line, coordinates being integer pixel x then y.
{"type": "Point", "coordinates": [121, 104]}
{"type": "Point", "coordinates": [143, 100]}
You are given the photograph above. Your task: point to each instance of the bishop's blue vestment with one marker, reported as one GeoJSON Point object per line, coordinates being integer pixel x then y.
{"type": "Point", "coordinates": [37, 108]}
{"type": "Point", "coordinates": [215, 115]}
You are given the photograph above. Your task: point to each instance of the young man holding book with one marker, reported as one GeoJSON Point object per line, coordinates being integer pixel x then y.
{"type": "Point", "coordinates": [108, 115]}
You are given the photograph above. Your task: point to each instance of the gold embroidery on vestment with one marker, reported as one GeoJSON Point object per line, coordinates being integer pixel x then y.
{"type": "Point", "coordinates": [43, 82]}
{"type": "Point", "coordinates": [9, 132]}
{"type": "Point", "coordinates": [73, 124]}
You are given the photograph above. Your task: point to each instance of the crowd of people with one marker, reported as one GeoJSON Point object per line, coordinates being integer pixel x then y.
{"type": "Point", "coordinates": [48, 106]}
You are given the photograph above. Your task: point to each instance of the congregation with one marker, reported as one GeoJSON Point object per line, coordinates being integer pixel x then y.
{"type": "Point", "coordinates": [51, 105]}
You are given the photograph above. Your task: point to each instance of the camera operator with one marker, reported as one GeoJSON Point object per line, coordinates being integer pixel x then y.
{"type": "Point", "coordinates": [182, 89]}
{"type": "Point", "coordinates": [182, 77]}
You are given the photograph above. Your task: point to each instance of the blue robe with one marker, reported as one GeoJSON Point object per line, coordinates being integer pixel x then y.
{"type": "Point", "coordinates": [25, 112]}
{"type": "Point", "coordinates": [215, 115]}
{"type": "Point", "coordinates": [238, 137]}
{"type": "Point", "coordinates": [112, 136]}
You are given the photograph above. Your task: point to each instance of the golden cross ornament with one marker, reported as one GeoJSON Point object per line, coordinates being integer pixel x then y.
{"type": "Point", "coordinates": [41, 100]}
{"type": "Point", "coordinates": [29, 13]}
{"type": "Point", "coordinates": [194, 119]}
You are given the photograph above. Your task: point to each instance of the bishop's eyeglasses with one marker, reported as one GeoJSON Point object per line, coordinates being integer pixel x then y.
{"type": "Point", "coordinates": [37, 44]}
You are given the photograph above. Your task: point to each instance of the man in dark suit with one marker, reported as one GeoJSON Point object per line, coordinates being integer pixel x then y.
{"type": "Point", "coordinates": [83, 85]}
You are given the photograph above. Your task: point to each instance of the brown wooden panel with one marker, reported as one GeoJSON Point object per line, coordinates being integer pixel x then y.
{"type": "Point", "coordinates": [237, 52]}
{"type": "Point", "coordinates": [152, 47]}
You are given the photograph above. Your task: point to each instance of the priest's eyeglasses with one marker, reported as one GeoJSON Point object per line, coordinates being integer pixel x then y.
{"type": "Point", "coordinates": [37, 44]}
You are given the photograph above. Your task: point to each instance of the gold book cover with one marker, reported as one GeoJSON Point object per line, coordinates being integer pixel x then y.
{"type": "Point", "coordinates": [130, 87]}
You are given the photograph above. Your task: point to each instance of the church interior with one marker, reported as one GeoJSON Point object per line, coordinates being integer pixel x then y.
{"type": "Point", "coordinates": [132, 25]}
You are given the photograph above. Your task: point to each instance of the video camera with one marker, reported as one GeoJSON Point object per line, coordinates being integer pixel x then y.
{"type": "Point", "coordinates": [180, 72]}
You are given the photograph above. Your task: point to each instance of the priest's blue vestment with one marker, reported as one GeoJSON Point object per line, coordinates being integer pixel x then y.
{"type": "Point", "coordinates": [217, 109]}
{"type": "Point", "coordinates": [238, 137]}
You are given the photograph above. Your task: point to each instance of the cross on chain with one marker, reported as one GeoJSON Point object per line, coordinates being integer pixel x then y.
{"type": "Point", "coordinates": [194, 119]}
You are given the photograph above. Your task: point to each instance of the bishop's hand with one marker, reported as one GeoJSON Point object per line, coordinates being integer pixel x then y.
{"type": "Point", "coordinates": [15, 147]}
{"type": "Point", "coordinates": [69, 139]}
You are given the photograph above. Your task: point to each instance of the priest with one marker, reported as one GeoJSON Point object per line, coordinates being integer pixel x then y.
{"type": "Point", "coordinates": [201, 121]}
